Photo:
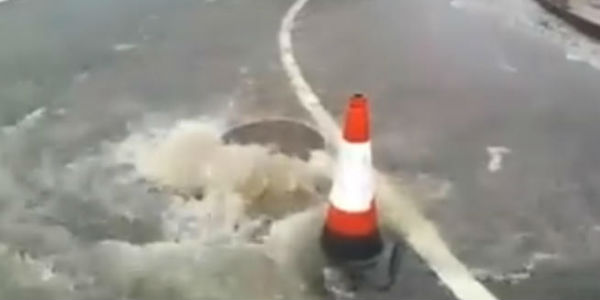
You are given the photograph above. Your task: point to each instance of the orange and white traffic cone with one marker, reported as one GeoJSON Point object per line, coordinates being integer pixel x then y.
{"type": "Point", "coordinates": [351, 230]}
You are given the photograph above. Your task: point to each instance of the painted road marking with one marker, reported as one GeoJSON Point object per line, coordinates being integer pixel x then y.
{"type": "Point", "coordinates": [399, 210]}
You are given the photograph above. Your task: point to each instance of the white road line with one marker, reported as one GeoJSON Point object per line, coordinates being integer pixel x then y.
{"type": "Point", "coordinates": [399, 210]}
{"type": "Point", "coordinates": [304, 92]}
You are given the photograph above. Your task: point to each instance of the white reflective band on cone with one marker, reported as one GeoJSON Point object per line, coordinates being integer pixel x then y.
{"type": "Point", "coordinates": [353, 185]}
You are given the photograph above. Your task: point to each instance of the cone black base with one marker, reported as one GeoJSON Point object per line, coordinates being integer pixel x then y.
{"type": "Point", "coordinates": [340, 248]}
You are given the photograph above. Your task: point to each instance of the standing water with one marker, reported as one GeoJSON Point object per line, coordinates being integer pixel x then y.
{"type": "Point", "coordinates": [111, 187]}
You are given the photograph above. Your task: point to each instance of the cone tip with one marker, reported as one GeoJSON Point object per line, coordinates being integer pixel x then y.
{"type": "Point", "coordinates": [357, 120]}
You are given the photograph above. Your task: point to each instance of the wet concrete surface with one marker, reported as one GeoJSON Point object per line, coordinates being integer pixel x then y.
{"type": "Point", "coordinates": [413, 279]}
{"type": "Point", "coordinates": [447, 85]}
{"type": "Point", "coordinates": [110, 63]}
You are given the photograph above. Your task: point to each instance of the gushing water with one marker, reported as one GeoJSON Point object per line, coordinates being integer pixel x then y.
{"type": "Point", "coordinates": [164, 213]}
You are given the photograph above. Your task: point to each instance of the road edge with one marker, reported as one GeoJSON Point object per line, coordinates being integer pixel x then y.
{"type": "Point", "coordinates": [581, 24]}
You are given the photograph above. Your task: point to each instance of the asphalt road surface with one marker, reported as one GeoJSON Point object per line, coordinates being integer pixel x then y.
{"type": "Point", "coordinates": [490, 124]}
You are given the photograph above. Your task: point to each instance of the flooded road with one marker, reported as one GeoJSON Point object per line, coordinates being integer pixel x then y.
{"type": "Point", "coordinates": [490, 109]}
{"type": "Point", "coordinates": [114, 183]}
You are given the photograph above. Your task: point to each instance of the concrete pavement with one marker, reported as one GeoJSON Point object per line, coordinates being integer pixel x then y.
{"type": "Point", "coordinates": [450, 89]}
{"type": "Point", "coordinates": [447, 86]}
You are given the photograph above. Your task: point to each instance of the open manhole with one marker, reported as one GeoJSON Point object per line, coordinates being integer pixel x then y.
{"type": "Point", "coordinates": [289, 137]}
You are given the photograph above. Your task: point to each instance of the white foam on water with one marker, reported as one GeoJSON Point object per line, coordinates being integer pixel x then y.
{"type": "Point", "coordinates": [191, 158]}
{"type": "Point", "coordinates": [514, 277]}
{"type": "Point", "coordinates": [28, 121]}
{"type": "Point", "coordinates": [121, 221]}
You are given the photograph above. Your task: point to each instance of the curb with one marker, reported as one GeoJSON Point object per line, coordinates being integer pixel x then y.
{"type": "Point", "coordinates": [584, 25]}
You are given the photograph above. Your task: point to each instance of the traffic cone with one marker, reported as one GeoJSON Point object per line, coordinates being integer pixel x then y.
{"type": "Point", "coordinates": [351, 231]}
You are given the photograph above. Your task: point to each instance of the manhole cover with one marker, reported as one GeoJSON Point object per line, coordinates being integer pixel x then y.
{"type": "Point", "coordinates": [289, 137]}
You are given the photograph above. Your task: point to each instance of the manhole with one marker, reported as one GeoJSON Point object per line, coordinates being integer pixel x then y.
{"type": "Point", "coordinates": [286, 136]}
